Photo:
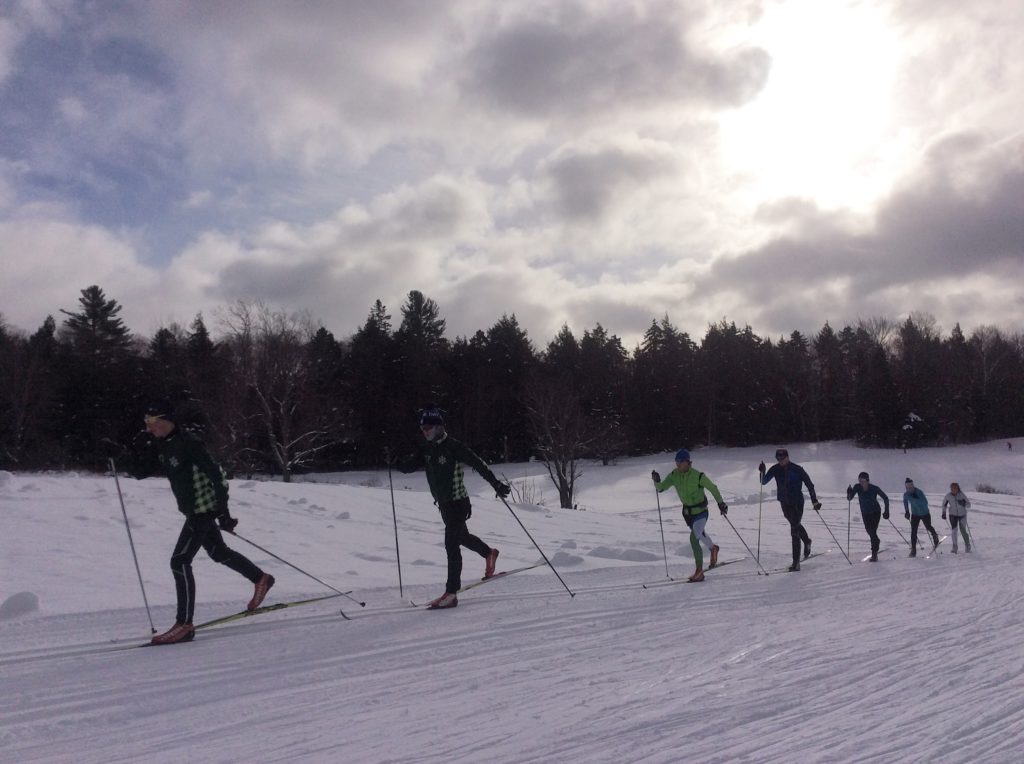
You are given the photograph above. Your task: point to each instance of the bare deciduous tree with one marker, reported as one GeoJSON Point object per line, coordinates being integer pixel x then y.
{"type": "Point", "coordinates": [272, 365]}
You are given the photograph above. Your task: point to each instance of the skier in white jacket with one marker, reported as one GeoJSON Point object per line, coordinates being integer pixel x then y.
{"type": "Point", "coordinates": [957, 503]}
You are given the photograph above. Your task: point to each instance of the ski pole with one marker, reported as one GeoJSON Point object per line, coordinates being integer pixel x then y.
{"type": "Point", "coordinates": [830, 533]}
{"type": "Point", "coordinates": [394, 515]}
{"type": "Point", "coordinates": [131, 542]}
{"type": "Point", "coordinates": [664, 551]}
{"type": "Point", "coordinates": [295, 567]}
{"type": "Point", "coordinates": [571, 592]}
{"type": "Point", "coordinates": [745, 544]}
{"type": "Point", "coordinates": [901, 534]}
{"type": "Point", "coordinates": [849, 510]}
{"type": "Point", "coordinates": [760, 498]}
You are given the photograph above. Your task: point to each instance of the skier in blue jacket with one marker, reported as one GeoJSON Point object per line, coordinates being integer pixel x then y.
{"type": "Point", "coordinates": [789, 481]}
{"type": "Point", "coordinates": [868, 496]}
{"type": "Point", "coordinates": [915, 509]}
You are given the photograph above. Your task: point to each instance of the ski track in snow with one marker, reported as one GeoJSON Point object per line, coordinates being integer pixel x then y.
{"type": "Point", "coordinates": [903, 660]}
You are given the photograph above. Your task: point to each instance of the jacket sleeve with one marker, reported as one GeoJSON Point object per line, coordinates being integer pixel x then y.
{"type": "Point", "coordinates": [141, 460]}
{"type": "Point", "coordinates": [945, 502]}
{"type": "Point", "coordinates": [466, 455]}
{"type": "Point", "coordinates": [770, 474]}
{"type": "Point", "coordinates": [906, 502]}
{"type": "Point", "coordinates": [665, 483]}
{"type": "Point", "coordinates": [809, 484]}
{"type": "Point", "coordinates": [885, 498]}
{"type": "Point", "coordinates": [705, 481]}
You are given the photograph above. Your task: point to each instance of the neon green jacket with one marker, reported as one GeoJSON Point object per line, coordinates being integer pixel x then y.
{"type": "Point", "coordinates": [690, 486]}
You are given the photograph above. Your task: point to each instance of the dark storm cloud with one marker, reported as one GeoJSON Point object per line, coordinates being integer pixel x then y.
{"type": "Point", "coordinates": [273, 282]}
{"type": "Point", "coordinates": [578, 62]}
{"type": "Point", "coordinates": [961, 216]}
{"type": "Point", "coordinates": [588, 183]}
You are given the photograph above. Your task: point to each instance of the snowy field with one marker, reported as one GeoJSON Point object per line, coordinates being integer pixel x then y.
{"type": "Point", "coordinates": [906, 660]}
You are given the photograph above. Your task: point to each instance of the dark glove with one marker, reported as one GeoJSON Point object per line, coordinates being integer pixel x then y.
{"type": "Point", "coordinates": [849, 493]}
{"type": "Point", "coordinates": [885, 515]}
{"type": "Point", "coordinates": [655, 476]}
{"type": "Point", "coordinates": [111, 448]}
{"type": "Point", "coordinates": [943, 515]}
{"type": "Point", "coordinates": [723, 507]}
{"type": "Point", "coordinates": [227, 523]}
{"type": "Point", "coordinates": [906, 515]}
{"type": "Point", "coordinates": [503, 489]}
{"type": "Point", "coordinates": [761, 468]}
{"type": "Point", "coordinates": [816, 505]}
{"type": "Point", "coordinates": [962, 502]}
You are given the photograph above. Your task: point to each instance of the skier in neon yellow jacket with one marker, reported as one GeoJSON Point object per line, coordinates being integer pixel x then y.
{"type": "Point", "coordinates": [691, 484]}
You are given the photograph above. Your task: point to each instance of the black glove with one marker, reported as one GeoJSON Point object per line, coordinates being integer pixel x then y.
{"type": "Point", "coordinates": [655, 476]}
{"type": "Point", "coordinates": [503, 489]}
{"type": "Point", "coordinates": [849, 493]}
{"type": "Point", "coordinates": [723, 507]}
{"type": "Point", "coordinates": [943, 515]}
{"type": "Point", "coordinates": [111, 448]}
{"type": "Point", "coordinates": [962, 502]}
{"type": "Point", "coordinates": [885, 514]}
{"type": "Point", "coordinates": [816, 505]}
{"type": "Point", "coordinates": [227, 523]}
{"type": "Point", "coordinates": [906, 515]}
{"type": "Point", "coordinates": [761, 469]}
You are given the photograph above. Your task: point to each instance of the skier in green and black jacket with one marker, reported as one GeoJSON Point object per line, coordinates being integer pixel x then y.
{"type": "Point", "coordinates": [200, 488]}
{"type": "Point", "coordinates": [443, 457]}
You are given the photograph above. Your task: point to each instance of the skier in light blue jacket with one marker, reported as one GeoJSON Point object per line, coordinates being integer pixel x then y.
{"type": "Point", "coordinates": [915, 509]}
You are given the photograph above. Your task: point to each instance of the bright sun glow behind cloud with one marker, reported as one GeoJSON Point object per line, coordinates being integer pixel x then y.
{"type": "Point", "coordinates": [825, 126]}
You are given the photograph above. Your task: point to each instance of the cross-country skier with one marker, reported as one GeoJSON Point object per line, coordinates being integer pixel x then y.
{"type": "Point", "coordinates": [690, 484]}
{"type": "Point", "coordinates": [200, 488]}
{"type": "Point", "coordinates": [789, 481]}
{"type": "Point", "coordinates": [915, 509]}
{"type": "Point", "coordinates": [870, 511]}
{"type": "Point", "coordinates": [443, 457]}
{"type": "Point", "coordinates": [958, 504]}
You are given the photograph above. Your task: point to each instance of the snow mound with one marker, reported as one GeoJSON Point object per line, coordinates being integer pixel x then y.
{"type": "Point", "coordinates": [19, 604]}
{"type": "Point", "coordinates": [5, 477]}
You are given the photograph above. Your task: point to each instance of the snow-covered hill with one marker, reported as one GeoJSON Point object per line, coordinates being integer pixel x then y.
{"type": "Point", "coordinates": [904, 660]}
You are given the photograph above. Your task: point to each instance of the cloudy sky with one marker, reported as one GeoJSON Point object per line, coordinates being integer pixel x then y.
{"type": "Point", "coordinates": [776, 162]}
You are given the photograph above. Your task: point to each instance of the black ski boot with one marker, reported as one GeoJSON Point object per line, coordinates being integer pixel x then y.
{"type": "Point", "coordinates": [807, 549]}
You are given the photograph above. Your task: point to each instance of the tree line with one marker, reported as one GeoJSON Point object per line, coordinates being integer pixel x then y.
{"type": "Point", "coordinates": [276, 392]}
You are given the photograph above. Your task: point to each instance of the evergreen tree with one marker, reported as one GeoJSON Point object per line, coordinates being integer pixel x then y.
{"type": "Point", "coordinates": [98, 372]}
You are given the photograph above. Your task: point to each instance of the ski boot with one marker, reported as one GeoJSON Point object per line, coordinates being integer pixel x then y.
{"type": "Point", "coordinates": [492, 560]}
{"type": "Point", "coordinates": [179, 632]}
{"type": "Point", "coordinates": [714, 556]}
{"type": "Point", "coordinates": [807, 549]}
{"type": "Point", "coordinates": [698, 575]}
{"type": "Point", "coordinates": [446, 600]}
{"type": "Point", "coordinates": [795, 566]}
{"type": "Point", "coordinates": [262, 587]}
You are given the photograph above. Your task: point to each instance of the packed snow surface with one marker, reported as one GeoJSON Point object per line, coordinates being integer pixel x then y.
{"type": "Point", "coordinates": [901, 660]}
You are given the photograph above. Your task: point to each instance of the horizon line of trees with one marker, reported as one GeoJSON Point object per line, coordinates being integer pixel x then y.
{"type": "Point", "coordinates": [275, 392]}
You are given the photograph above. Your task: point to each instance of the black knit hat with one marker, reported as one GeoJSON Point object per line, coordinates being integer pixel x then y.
{"type": "Point", "coordinates": [863, 476]}
{"type": "Point", "coordinates": [431, 414]}
{"type": "Point", "coordinates": [159, 409]}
